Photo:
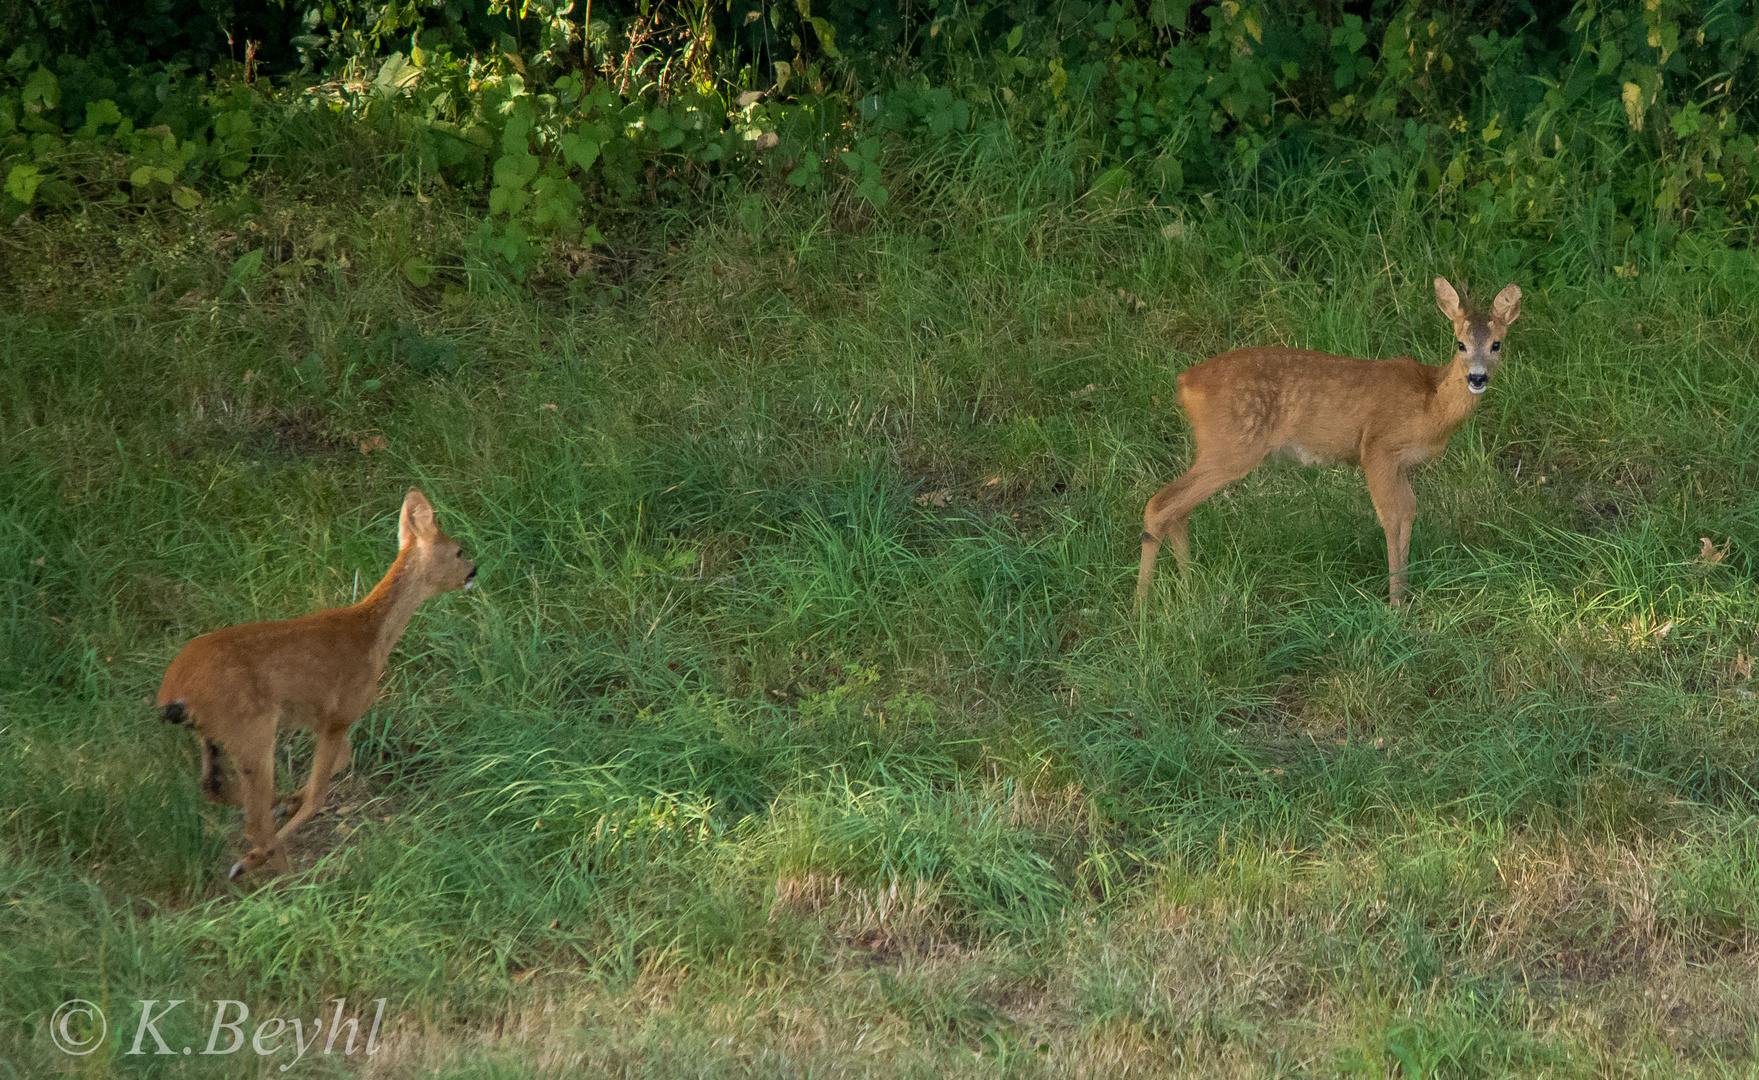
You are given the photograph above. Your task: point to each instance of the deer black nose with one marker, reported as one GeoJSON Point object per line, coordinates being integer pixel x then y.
{"type": "Point", "coordinates": [1477, 381]}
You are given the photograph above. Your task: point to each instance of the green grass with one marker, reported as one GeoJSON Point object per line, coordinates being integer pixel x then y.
{"type": "Point", "coordinates": [802, 724]}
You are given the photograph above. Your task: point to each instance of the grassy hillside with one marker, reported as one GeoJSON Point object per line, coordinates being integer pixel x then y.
{"type": "Point", "coordinates": [802, 724]}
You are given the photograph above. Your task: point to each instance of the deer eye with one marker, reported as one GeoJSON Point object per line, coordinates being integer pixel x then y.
{"type": "Point", "coordinates": [461, 553]}
{"type": "Point", "coordinates": [1462, 345]}
{"type": "Point", "coordinates": [1496, 346]}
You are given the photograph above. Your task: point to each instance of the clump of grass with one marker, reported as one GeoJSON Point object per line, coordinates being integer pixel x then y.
{"type": "Point", "coordinates": [803, 721]}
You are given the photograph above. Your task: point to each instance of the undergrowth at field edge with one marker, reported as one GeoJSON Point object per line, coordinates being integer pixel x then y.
{"type": "Point", "coordinates": [802, 722]}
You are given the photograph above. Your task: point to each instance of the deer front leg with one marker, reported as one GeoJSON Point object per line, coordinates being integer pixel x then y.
{"type": "Point", "coordinates": [332, 751]}
{"type": "Point", "coordinates": [1396, 504]}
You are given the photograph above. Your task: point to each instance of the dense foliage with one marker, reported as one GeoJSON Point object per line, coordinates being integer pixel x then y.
{"type": "Point", "coordinates": [1635, 116]}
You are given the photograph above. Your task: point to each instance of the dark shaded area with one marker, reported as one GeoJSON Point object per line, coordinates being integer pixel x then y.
{"type": "Point", "coordinates": [177, 34]}
{"type": "Point", "coordinates": [282, 38]}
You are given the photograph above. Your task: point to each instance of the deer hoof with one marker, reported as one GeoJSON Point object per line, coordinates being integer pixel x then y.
{"type": "Point", "coordinates": [252, 859]}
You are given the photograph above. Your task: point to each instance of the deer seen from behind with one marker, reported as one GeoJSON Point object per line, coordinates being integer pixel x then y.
{"type": "Point", "coordinates": [236, 686]}
{"type": "Point", "coordinates": [1384, 415]}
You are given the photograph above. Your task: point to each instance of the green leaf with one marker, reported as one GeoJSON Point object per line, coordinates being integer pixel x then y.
{"type": "Point", "coordinates": [1172, 175]}
{"type": "Point", "coordinates": [506, 200]}
{"type": "Point", "coordinates": [420, 274]}
{"type": "Point", "coordinates": [22, 182]}
{"type": "Point", "coordinates": [579, 151]}
{"type": "Point", "coordinates": [515, 170]}
{"type": "Point", "coordinates": [310, 371]}
{"type": "Point", "coordinates": [244, 269]}
{"type": "Point", "coordinates": [42, 91]}
{"type": "Point", "coordinates": [142, 176]}
{"type": "Point", "coordinates": [1059, 78]}
{"type": "Point", "coordinates": [187, 198]}
{"type": "Point", "coordinates": [556, 202]}
{"type": "Point", "coordinates": [234, 125]}
{"type": "Point", "coordinates": [827, 37]}
{"type": "Point", "coordinates": [751, 213]}
{"type": "Point", "coordinates": [1406, 1057]}
{"type": "Point", "coordinates": [395, 75]}
{"type": "Point", "coordinates": [515, 137]}
{"type": "Point", "coordinates": [1111, 183]}
{"type": "Point", "coordinates": [99, 113]}
{"type": "Point", "coordinates": [1688, 121]}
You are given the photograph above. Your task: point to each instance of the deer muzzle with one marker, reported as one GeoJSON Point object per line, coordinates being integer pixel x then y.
{"type": "Point", "coordinates": [1477, 379]}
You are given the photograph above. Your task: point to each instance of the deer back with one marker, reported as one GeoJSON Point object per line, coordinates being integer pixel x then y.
{"type": "Point", "coordinates": [1318, 406]}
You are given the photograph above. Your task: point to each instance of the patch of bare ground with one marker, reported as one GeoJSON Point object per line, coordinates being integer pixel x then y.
{"type": "Point", "coordinates": [352, 803]}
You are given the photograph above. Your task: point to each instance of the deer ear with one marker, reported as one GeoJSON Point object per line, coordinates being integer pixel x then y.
{"type": "Point", "coordinates": [417, 519]}
{"type": "Point", "coordinates": [1506, 308]}
{"type": "Point", "coordinates": [1448, 300]}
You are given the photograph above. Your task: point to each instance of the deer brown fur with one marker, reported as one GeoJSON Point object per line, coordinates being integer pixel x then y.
{"type": "Point", "coordinates": [1384, 415]}
{"type": "Point", "coordinates": [320, 671]}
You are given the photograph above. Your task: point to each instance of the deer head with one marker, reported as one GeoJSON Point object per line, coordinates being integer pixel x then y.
{"type": "Point", "coordinates": [431, 557]}
{"type": "Point", "coordinates": [1478, 334]}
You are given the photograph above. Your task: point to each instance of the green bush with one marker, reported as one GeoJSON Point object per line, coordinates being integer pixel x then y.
{"type": "Point", "coordinates": [1627, 119]}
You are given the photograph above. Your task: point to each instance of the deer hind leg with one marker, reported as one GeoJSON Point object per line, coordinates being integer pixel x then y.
{"type": "Point", "coordinates": [332, 752]}
{"type": "Point", "coordinates": [214, 783]}
{"type": "Point", "coordinates": [1168, 514]}
{"type": "Point", "coordinates": [1396, 504]}
{"type": "Point", "coordinates": [255, 758]}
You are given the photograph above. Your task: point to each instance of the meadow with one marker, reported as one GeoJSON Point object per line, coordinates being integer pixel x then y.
{"type": "Point", "coordinates": [802, 723]}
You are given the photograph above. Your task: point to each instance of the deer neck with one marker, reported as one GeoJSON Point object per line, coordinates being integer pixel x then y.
{"type": "Point", "coordinates": [389, 607]}
{"type": "Point", "coordinates": [1453, 400]}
